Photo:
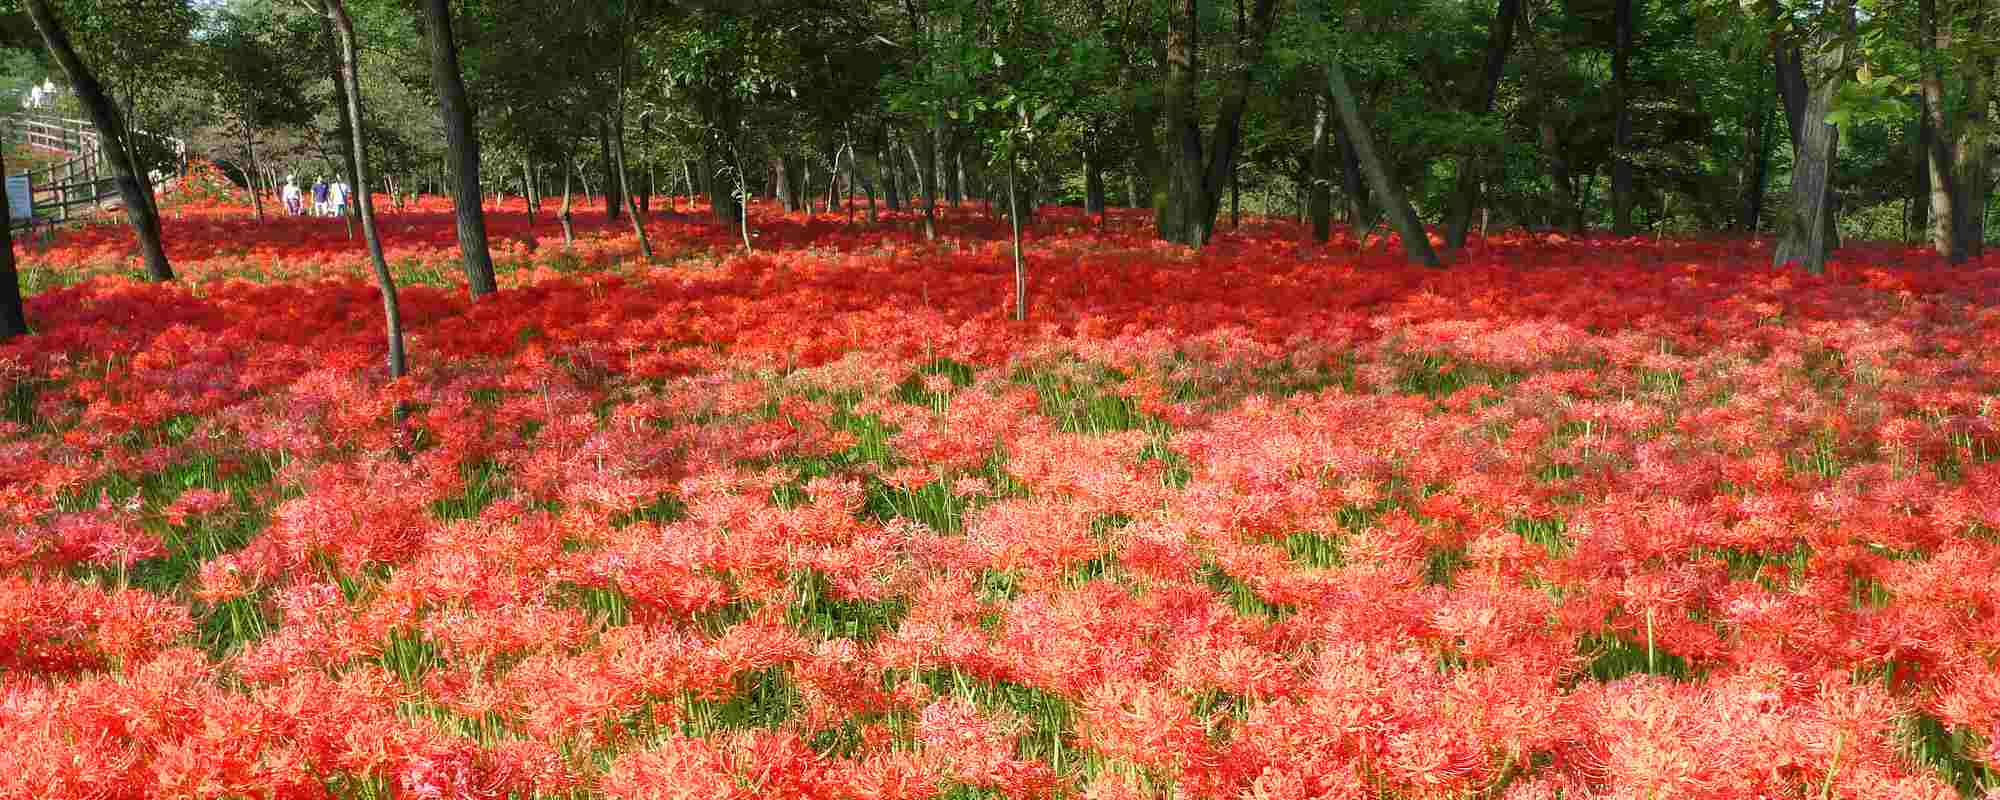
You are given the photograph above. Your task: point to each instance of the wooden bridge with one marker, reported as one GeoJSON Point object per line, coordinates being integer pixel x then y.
{"type": "Point", "coordinates": [82, 184]}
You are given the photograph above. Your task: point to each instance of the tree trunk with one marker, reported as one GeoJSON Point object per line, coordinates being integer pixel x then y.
{"type": "Point", "coordinates": [13, 320]}
{"type": "Point", "coordinates": [134, 187]}
{"type": "Point", "coordinates": [1235, 197]}
{"type": "Point", "coordinates": [1756, 169]}
{"type": "Point", "coordinates": [1093, 184]}
{"type": "Point", "coordinates": [1919, 216]}
{"type": "Point", "coordinates": [528, 188]}
{"type": "Point", "coordinates": [1804, 238]}
{"type": "Point", "coordinates": [1014, 217]}
{"type": "Point", "coordinates": [782, 178]}
{"type": "Point", "coordinates": [461, 146]}
{"type": "Point", "coordinates": [1319, 195]}
{"type": "Point", "coordinates": [721, 201]}
{"type": "Point", "coordinates": [335, 15]}
{"type": "Point", "coordinates": [1499, 41]}
{"type": "Point", "coordinates": [563, 216]}
{"type": "Point", "coordinates": [616, 125]}
{"type": "Point", "coordinates": [1940, 159]}
{"type": "Point", "coordinates": [1195, 196]}
{"type": "Point", "coordinates": [1621, 147]}
{"type": "Point", "coordinates": [1789, 70]}
{"type": "Point", "coordinates": [614, 205]}
{"type": "Point", "coordinates": [1416, 241]}
{"type": "Point", "coordinates": [1973, 182]}
{"type": "Point", "coordinates": [1360, 207]}
{"type": "Point", "coordinates": [892, 181]}
{"type": "Point", "coordinates": [249, 175]}
{"type": "Point", "coordinates": [926, 190]}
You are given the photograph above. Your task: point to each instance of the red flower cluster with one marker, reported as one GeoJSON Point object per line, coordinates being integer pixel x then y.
{"type": "Point", "coordinates": [1640, 519]}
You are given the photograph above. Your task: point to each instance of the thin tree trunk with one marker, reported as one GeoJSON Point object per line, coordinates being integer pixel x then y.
{"type": "Point", "coordinates": [1020, 269]}
{"type": "Point", "coordinates": [1919, 217]}
{"type": "Point", "coordinates": [1499, 41]}
{"type": "Point", "coordinates": [1940, 159]}
{"type": "Point", "coordinates": [782, 178]}
{"type": "Point", "coordinates": [1757, 164]}
{"type": "Point", "coordinates": [1235, 198]}
{"type": "Point", "coordinates": [1093, 183]}
{"type": "Point", "coordinates": [926, 190]}
{"type": "Point", "coordinates": [335, 15]}
{"type": "Point", "coordinates": [528, 187]}
{"type": "Point", "coordinates": [1320, 197]}
{"type": "Point", "coordinates": [134, 187]}
{"type": "Point", "coordinates": [613, 204]}
{"type": "Point", "coordinates": [617, 128]}
{"type": "Point", "coordinates": [1416, 241]}
{"type": "Point", "coordinates": [250, 175]}
{"type": "Point", "coordinates": [461, 144]}
{"type": "Point", "coordinates": [563, 216]}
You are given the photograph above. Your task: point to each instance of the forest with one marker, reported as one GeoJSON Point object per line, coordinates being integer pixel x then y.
{"type": "Point", "coordinates": [981, 399]}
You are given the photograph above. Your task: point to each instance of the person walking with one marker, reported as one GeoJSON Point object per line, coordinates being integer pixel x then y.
{"type": "Point", "coordinates": [336, 199]}
{"type": "Point", "coordinates": [319, 197]}
{"type": "Point", "coordinates": [291, 196]}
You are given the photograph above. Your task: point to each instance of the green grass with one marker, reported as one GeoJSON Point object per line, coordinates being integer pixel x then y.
{"type": "Point", "coordinates": [485, 482]}
{"type": "Point", "coordinates": [1612, 656]}
{"type": "Point", "coordinates": [818, 614]}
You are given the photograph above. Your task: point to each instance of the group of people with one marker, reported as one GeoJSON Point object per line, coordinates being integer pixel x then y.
{"type": "Point", "coordinates": [328, 199]}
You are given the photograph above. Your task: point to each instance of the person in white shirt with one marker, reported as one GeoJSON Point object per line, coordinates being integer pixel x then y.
{"type": "Point", "coordinates": [336, 199]}
{"type": "Point", "coordinates": [291, 196]}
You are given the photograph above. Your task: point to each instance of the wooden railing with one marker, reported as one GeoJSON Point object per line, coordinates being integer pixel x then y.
{"type": "Point", "coordinates": [81, 180]}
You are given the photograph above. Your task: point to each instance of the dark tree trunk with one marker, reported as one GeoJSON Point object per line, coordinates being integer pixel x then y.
{"type": "Point", "coordinates": [461, 146]}
{"type": "Point", "coordinates": [782, 177]}
{"type": "Point", "coordinates": [955, 177]}
{"type": "Point", "coordinates": [1093, 184]}
{"type": "Point", "coordinates": [1465, 196]}
{"type": "Point", "coordinates": [13, 321]}
{"type": "Point", "coordinates": [250, 153]}
{"type": "Point", "coordinates": [920, 148]}
{"type": "Point", "coordinates": [613, 204]}
{"type": "Point", "coordinates": [617, 128]}
{"type": "Point", "coordinates": [1197, 177]}
{"type": "Point", "coordinates": [528, 187]}
{"type": "Point", "coordinates": [134, 188]}
{"type": "Point", "coordinates": [1920, 178]}
{"type": "Point", "coordinates": [1621, 147]}
{"type": "Point", "coordinates": [1320, 196]}
{"type": "Point", "coordinates": [1756, 169]}
{"type": "Point", "coordinates": [1360, 207]}
{"type": "Point", "coordinates": [892, 180]}
{"type": "Point", "coordinates": [1972, 185]}
{"type": "Point", "coordinates": [1416, 241]}
{"type": "Point", "coordinates": [334, 13]}
{"type": "Point", "coordinates": [721, 197]}
{"type": "Point", "coordinates": [1235, 197]}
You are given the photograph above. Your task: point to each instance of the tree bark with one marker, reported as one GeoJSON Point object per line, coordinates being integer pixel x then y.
{"type": "Point", "coordinates": [1972, 184]}
{"type": "Point", "coordinates": [617, 127]}
{"type": "Point", "coordinates": [1804, 238]}
{"type": "Point", "coordinates": [334, 12]}
{"type": "Point", "coordinates": [1014, 219]}
{"type": "Point", "coordinates": [1360, 207]}
{"type": "Point", "coordinates": [1621, 148]}
{"type": "Point", "coordinates": [134, 187]}
{"type": "Point", "coordinates": [783, 179]}
{"type": "Point", "coordinates": [1939, 160]}
{"type": "Point", "coordinates": [529, 190]}
{"type": "Point", "coordinates": [1197, 177]}
{"type": "Point", "coordinates": [1093, 184]}
{"type": "Point", "coordinates": [1416, 241]}
{"type": "Point", "coordinates": [614, 205]}
{"type": "Point", "coordinates": [1320, 195]}
{"type": "Point", "coordinates": [461, 147]}
{"type": "Point", "coordinates": [563, 216]}
{"type": "Point", "coordinates": [1756, 169]}
{"type": "Point", "coordinates": [926, 190]}
{"type": "Point", "coordinates": [250, 174]}
{"type": "Point", "coordinates": [1465, 195]}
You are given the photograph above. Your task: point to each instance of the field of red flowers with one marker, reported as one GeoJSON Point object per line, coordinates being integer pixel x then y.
{"type": "Point", "coordinates": [1572, 519]}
